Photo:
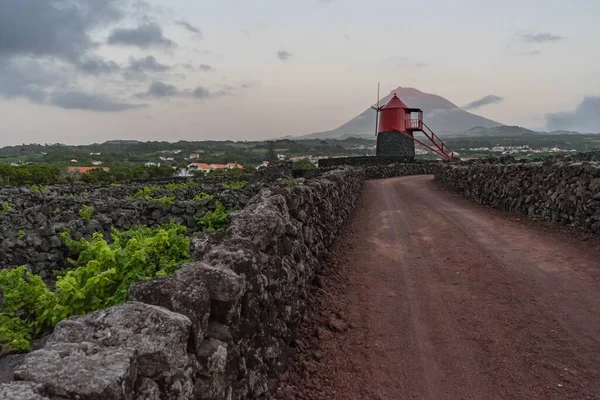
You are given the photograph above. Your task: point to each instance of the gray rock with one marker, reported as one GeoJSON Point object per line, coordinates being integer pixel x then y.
{"type": "Point", "coordinates": [160, 337]}
{"type": "Point", "coordinates": [223, 284]}
{"type": "Point", "coordinates": [147, 390]}
{"type": "Point", "coordinates": [22, 391]}
{"type": "Point", "coordinates": [82, 370]}
{"type": "Point", "coordinates": [191, 300]}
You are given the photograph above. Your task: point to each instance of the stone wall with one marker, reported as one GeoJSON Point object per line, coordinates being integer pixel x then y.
{"type": "Point", "coordinates": [563, 192]}
{"type": "Point", "coordinates": [221, 327]}
{"type": "Point", "coordinates": [395, 144]}
{"type": "Point", "coordinates": [362, 161]}
{"type": "Point", "coordinates": [403, 169]}
{"type": "Point", "coordinates": [28, 232]}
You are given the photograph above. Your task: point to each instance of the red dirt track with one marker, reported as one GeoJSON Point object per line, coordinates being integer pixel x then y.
{"type": "Point", "coordinates": [447, 299]}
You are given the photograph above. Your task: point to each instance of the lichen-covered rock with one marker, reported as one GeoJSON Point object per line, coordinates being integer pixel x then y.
{"type": "Point", "coordinates": [82, 371]}
{"type": "Point", "coordinates": [22, 391]}
{"type": "Point", "coordinates": [147, 390]}
{"type": "Point", "coordinates": [160, 337]}
{"type": "Point", "coordinates": [184, 297]}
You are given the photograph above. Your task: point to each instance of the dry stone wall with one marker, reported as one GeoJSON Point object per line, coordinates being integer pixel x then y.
{"type": "Point", "coordinates": [562, 192]}
{"type": "Point", "coordinates": [221, 327]}
{"type": "Point", "coordinates": [402, 169]}
{"type": "Point", "coordinates": [29, 230]}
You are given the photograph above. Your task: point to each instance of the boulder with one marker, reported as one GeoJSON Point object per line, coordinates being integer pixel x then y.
{"type": "Point", "coordinates": [22, 391]}
{"type": "Point", "coordinates": [83, 371]}
{"type": "Point", "coordinates": [159, 336]}
{"type": "Point", "coordinates": [191, 300]}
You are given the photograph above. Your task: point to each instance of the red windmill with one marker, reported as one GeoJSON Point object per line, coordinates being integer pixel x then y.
{"type": "Point", "coordinates": [396, 131]}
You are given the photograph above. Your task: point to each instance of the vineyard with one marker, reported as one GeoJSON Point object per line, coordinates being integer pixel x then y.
{"type": "Point", "coordinates": [72, 249]}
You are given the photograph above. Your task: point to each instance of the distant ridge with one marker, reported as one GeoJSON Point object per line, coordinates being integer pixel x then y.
{"type": "Point", "coordinates": [440, 114]}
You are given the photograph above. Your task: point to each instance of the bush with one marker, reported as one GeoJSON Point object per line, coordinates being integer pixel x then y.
{"type": "Point", "coordinates": [215, 220]}
{"type": "Point", "coordinates": [5, 207]}
{"type": "Point", "coordinates": [165, 201]}
{"type": "Point", "coordinates": [27, 308]}
{"type": "Point", "coordinates": [203, 196]}
{"type": "Point", "coordinates": [101, 278]}
{"type": "Point", "coordinates": [146, 191]}
{"type": "Point", "coordinates": [235, 185]}
{"type": "Point", "coordinates": [86, 212]}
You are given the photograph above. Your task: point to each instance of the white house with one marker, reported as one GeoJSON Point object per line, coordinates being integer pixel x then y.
{"type": "Point", "coordinates": [265, 164]}
{"type": "Point", "coordinates": [234, 165]}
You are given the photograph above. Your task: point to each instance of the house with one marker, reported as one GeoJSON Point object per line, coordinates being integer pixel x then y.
{"type": "Point", "coordinates": [96, 162]}
{"type": "Point", "coordinates": [281, 157]}
{"type": "Point", "coordinates": [95, 154]}
{"type": "Point", "coordinates": [85, 170]}
{"type": "Point", "coordinates": [166, 158]}
{"type": "Point", "coordinates": [194, 156]}
{"type": "Point", "coordinates": [149, 164]}
{"type": "Point", "coordinates": [234, 165]}
{"type": "Point", "coordinates": [74, 161]}
{"type": "Point", "coordinates": [200, 167]}
{"type": "Point", "coordinates": [265, 164]}
{"type": "Point", "coordinates": [218, 166]}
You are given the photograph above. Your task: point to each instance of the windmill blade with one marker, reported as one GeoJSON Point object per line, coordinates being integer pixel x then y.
{"type": "Point", "coordinates": [377, 110]}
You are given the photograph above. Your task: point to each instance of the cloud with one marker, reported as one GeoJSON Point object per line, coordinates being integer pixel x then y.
{"type": "Point", "coordinates": [144, 36]}
{"type": "Point", "coordinates": [533, 53]}
{"type": "Point", "coordinates": [484, 101]}
{"type": "Point", "coordinates": [284, 55]}
{"type": "Point", "coordinates": [160, 89]}
{"type": "Point", "coordinates": [585, 118]}
{"type": "Point", "coordinates": [206, 68]}
{"type": "Point", "coordinates": [77, 100]}
{"type": "Point", "coordinates": [27, 78]}
{"type": "Point", "coordinates": [147, 63]}
{"type": "Point", "coordinates": [38, 82]}
{"type": "Point", "coordinates": [203, 93]}
{"type": "Point", "coordinates": [97, 66]}
{"type": "Point", "coordinates": [539, 37]}
{"type": "Point", "coordinates": [54, 28]}
{"type": "Point", "coordinates": [249, 84]}
{"type": "Point", "coordinates": [190, 28]}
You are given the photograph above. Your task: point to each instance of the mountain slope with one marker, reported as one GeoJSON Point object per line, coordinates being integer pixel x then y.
{"type": "Point", "coordinates": [441, 115]}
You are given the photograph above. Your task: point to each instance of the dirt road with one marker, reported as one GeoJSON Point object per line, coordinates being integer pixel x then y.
{"type": "Point", "coordinates": [449, 300]}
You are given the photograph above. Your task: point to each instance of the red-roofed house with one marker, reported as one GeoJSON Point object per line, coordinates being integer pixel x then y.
{"type": "Point", "coordinates": [85, 170]}
{"type": "Point", "coordinates": [218, 166]}
{"type": "Point", "coordinates": [200, 167]}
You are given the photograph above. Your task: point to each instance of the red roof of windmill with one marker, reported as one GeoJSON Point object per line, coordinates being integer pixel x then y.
{"type": "Point", "coordinates": [395, 102]}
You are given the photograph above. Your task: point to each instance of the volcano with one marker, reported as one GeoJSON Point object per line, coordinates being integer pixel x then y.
{"type": "Point", "coordinates": [440, 114]}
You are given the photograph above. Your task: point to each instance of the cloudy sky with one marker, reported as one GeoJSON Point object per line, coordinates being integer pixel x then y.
{"type": "Point", "coordinates": [81, 71]}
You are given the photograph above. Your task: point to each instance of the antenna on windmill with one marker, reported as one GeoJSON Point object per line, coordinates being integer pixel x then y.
{"type": "Point", "coordinates": [376, 108]}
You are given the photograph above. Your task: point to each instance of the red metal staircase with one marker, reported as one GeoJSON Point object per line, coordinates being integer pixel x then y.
{"type": "Point", "coordinates": [437, 145]}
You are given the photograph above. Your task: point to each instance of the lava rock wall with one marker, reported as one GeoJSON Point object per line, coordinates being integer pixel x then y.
{"type": "Point", "coordinates": [29, 230]}
{"type": "Point", "coordinates": [402, 169]}
{"type": "Point", "coordinates": [395, 144]}
{"type": "Point", "coordinates": [220, 328]}
{"type": "Point", "coordinates": [562, 192]}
